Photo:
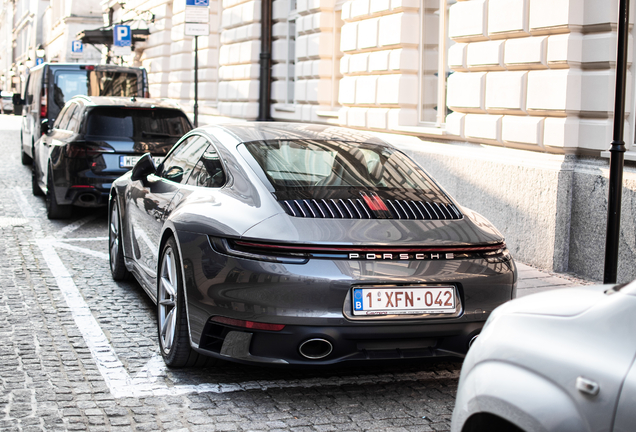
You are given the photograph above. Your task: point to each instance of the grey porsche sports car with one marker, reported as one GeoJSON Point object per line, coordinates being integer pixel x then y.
{"type": "Point", "coordinates": [301, 244]}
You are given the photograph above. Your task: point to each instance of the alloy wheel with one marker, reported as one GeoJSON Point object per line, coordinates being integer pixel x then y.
{"type": "Point", "coordinates": [113, 236]}
{"type": "Point", "coordinates": [167, 301]}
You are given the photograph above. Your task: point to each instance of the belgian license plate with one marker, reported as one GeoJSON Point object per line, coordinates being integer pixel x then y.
{"type": "Point", "coordinates": [403, 300]}
{"type": "Point", "coordinates": [130, 161]}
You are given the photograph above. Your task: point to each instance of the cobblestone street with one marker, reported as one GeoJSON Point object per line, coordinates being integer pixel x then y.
{"type": "Point", "coordinates": [79, 351]}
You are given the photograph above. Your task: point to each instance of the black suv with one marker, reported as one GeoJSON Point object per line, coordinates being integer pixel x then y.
{"type": "Point", "coordinates": [50, 85]}
{"type": "Point", "coordinates": [93, 141]}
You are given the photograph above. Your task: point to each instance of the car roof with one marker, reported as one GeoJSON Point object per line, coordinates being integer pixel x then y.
{"type": "Point", "coordinates": [120, 101]}
{"type": "Point", "coordinates": [264, 131]}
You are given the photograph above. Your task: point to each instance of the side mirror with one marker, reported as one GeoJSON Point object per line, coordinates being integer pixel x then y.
{"type": "Point", "coordinates": [143, 168]}
{"type": "Point", "coordinates": [17, 100]}
{"type": "Point", "coordinates": [46, 126]}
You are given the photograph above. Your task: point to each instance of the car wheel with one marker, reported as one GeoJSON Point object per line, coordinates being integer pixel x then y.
{"type": "Point", "coordinates": [115, 249]}
{"type": "Point", "coordinates": [172, 320]}
{"type": "Point", "coordinates": [25, 159]}
{"type": "Point", "coordinates": [35, 187]}
{"type": "Point", "coordinates": [53, 209]}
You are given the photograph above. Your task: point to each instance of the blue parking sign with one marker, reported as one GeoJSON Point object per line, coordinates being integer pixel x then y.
{"type": "Point", "coordinates": [197, 2]}
{"type": "Point", "coordinates": [77, 47]}
{"type": "Point", "coordinates": [122, 36]}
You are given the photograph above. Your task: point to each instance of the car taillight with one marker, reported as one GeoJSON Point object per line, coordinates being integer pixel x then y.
{"type": "Point", "coordinates": [82, 149]}
{"type": "Point", "coordinates": [43, 104]}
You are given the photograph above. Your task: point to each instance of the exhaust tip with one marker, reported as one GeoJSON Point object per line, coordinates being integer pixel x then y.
{"type": "Point", "coordinates": [315, 349]}
{"type": "Point", "coordinates": [472, 340]}
{"type": "Point", "coordinates": [87, 198]}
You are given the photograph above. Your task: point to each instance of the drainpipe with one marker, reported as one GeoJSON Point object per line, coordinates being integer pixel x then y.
{"type": "Point", "coordinates": [265, 80]}
{"type": "Point", "coordinates": [617, 151]}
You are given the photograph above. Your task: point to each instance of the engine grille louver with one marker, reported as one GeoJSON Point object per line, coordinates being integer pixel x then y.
{"type": "Point", "coordinates": [358, 209]}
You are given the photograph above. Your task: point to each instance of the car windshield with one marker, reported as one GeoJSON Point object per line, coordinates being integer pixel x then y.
{"type": "Point", "coordinates": [309, 166]}
{"type": "Point", "coordinates": [150, 124]}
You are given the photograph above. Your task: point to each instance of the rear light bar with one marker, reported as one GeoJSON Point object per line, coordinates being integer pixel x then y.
{"type": "Point", "coordinates": [440, 249]}
{"type": "Point", "coordinates": [300, 254]}
{"type": "Point", "coordinates": [247, 324]}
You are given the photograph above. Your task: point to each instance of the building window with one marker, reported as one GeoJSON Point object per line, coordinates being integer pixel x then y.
{"type": "Point", "coordinates": [434, 68]}
{"type": "Point", "coordinates": [284, 57]}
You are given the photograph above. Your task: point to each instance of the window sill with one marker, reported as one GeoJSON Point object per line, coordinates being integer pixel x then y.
{"type": "Point", "coordinates": [285, 108]}
{"type": "Point", "coordinates": [332, 114]}
{"type": "Point", "coordinates": [420, 130]}
{"type": "Point", "coordinates": [630, 155]}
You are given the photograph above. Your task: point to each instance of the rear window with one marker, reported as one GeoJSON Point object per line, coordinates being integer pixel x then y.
{"type": "Point", "coordinates": [69, 83]}
{"type": "Point", "coordinates": [109, 83]}
{"type": "Point", "coordinates": [310, 165]}
{"type": "Point", "coordinates": [137, 123]}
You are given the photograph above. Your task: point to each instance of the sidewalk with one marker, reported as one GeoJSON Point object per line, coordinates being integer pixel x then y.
{"type": "Point", "coordinates": [533, 281]}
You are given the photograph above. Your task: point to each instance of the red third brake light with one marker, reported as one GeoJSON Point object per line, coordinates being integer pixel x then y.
{"type": "Point", "coordinates": [247, 324]}
{"type": "Point", "coordinates": [374, 202]}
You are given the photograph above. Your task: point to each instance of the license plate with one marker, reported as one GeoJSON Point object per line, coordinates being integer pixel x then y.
{"type": "Point", "coordinates": [403, 300]}
{"type": "Point", "coordinates": [130, 161]}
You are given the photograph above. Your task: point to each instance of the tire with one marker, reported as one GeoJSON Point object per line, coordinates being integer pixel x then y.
{"type": "Point", "coordinates": [35, 187]}
{"type": "Point", "coordinates": [172, 319]}
{"type": "Point", "coordinates": [115, 249]}
{"type": "Point", "coordinates": [25, 158]}
{"type": "Point", "coordinates": [53, 209]}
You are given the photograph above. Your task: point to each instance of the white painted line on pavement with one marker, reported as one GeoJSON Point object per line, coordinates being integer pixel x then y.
{"type": "Point", "coordinates": [23, 204]}
{"type": "Point", "coordinates": [146, 382]}
{"type": "Point", "coordinates": [75, 225]}
{"type": "Point", "coordinates": [91, 252]}
{"type": "Point", "coordinates": [82, 239]}
{"type": "Point", "coordinates": [111, 369]}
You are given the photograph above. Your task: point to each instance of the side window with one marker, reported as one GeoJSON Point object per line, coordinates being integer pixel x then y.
{"type": "Point", "coordinates": [29, 90]}
{"type": "Point", "coordinates": [59, 118]}
{"type": "Point", "coordinates": [179, 164]}
{"type": "Point", "coordinates": [67, 116]}
{"type": "Point", "coordinates": [208, 172]}
{"type": "Point", "coordinates": [73, 123]}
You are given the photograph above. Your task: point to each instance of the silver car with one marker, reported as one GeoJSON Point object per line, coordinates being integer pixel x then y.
{"type": "Point", "coordinates": [556, 361]}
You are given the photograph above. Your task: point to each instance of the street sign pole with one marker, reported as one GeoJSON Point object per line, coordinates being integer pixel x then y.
{"type": "Point", "coordinates": [617, 151]}
{"type": "Point", "coordinates": [196, 81]}
{"type": "Point", "coordinates": [197, 23]}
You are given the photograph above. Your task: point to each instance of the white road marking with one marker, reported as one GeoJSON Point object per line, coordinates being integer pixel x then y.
{"type": "Point", "coordinates": [83, 239]}
{"type": "Point", "coordinates": [91, 252]}
{"type": "Point", "coordinates": [75, 225]}
{"type": "Point", "coordinates": [12, 221]}
{"type": "Point", "coordinates": [23, 204]}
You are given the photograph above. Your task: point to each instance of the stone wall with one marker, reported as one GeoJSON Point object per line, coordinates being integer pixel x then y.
{"type": "Point", "coordinates": [535, 73]}
{"type": "Point", "coordinates": [306, 60]}
{"type": "Point", "coordinates": [380, 39]}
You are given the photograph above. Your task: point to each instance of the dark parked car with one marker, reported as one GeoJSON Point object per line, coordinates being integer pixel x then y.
{"type": "Point", "coordinates": [276, 243]}
{"type": "Point", "coordinates": [94, 141]}
{"type": "Point", "coordinates": [50, 85]}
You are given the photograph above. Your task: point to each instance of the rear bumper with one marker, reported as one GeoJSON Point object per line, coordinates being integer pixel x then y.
{"type": "Point", "coordinates": [313, 300]}
{"type": "Point", "coordinates": [350, 344]}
